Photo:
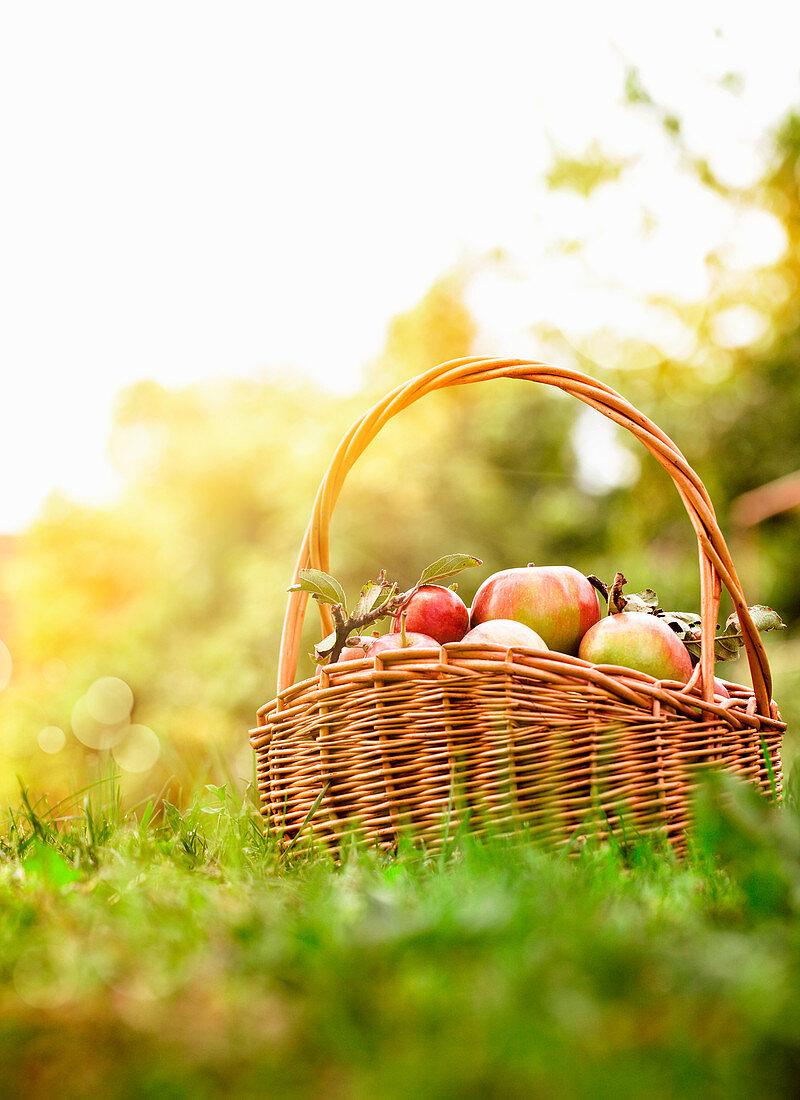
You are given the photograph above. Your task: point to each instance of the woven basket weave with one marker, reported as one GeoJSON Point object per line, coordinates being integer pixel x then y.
{"type": "Point", "coordinates": [424, 739]}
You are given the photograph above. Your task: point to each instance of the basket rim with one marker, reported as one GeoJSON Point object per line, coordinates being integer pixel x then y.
{"type": "Point", "coordinates": [457, 660]}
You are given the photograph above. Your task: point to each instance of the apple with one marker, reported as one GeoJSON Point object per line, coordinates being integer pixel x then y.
{"type": "Point", "coordinates": [556, 601]}
{"type": "Point", "coordinates": [399, 640]}
{"type": "Point", "coordinates": [436, 611]}
{"type": "Point", "coordinates": [507, 632]}
{"type": "Point", "coordinates": [349, 653]}
{"type": "Point", "coordinates": [720, 691]}
{"type": "Point", "coordinates": [640, 641]}
{"type": "Point", "coordinates": [357, 650]}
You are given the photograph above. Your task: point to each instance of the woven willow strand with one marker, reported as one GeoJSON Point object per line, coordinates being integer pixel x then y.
{"type": "Point", "coordinates": [716, 566]}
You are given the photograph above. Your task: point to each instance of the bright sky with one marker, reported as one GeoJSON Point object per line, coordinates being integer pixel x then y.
{"type": "Point", "coordinates": [193, 190]}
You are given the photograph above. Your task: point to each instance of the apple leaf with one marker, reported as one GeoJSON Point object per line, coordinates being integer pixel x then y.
{"type": "Point", "coordinates": [322, 586]}
{"type": "Point", "coordinates": [647, 597]}
{"type": "Point", "coordinates": [727, 646]}
{"type": "Point", "coordinates": [728, 640]}
{"type": "Point", "coordinates": [447, 566]}
{"type": "Point", "coordinates": [764, 618]}
{"type": "Point", "coordinates": [324, 648]}
{"type": "Point", "coordinates": [634, 602]}
{"type": "Point", "coordinates": [686, 624]}
{"type": "Point", "coordinates": [373, 594]}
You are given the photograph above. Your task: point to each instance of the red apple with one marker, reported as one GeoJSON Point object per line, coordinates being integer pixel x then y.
{"type": "Point", "coordinates": [720, 691]}
{"type": "Point", "coordinates": [358, 649]}
{"type": "Point", "coordinates": [507, 632]}
{"type": "Point", "coordinates": [349, 653]}
{"type": "Point", "coordinates": [436, 611]}
{"type": "Point", "coordinates": [396, 641]}
{"type": "Point", "coordinates": [554, 600]}
{"type": "Point", "coordinates": [640, 641]}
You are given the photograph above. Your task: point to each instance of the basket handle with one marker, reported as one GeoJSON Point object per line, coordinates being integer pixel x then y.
{"type": "Point", "coordinates": [716, 566]}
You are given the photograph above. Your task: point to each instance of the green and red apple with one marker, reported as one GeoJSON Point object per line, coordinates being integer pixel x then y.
{"type": "Point", "coordinates": [556, 601]}
{"type": "Point", "coordinates": [639, 641]}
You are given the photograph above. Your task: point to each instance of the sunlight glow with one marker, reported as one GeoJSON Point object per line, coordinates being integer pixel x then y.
{"type": "Point", "coordinates": [258, 204]}
{"type": "Point", "coordinates": [594, 434]}
{"type": "Point", "coordinates": [739, 326]}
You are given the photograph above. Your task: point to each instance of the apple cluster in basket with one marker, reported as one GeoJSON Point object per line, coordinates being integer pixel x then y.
{"type": "Point", "coordinates": [531, 607]}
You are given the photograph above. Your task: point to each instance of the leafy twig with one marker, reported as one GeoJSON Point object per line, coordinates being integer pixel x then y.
{"type": "Point", "coordinates": [686, 624]}
{"type": "Point", "coordinates": [378, 599]}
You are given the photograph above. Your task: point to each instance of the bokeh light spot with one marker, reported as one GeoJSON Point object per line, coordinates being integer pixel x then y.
{"type": "Point", "coordinates": [739, 326]}
{"type": "Point", "coordinates": [6, 666]}
{"type": "Point", "coordinates": [139, 749]}
{"type": "Point", "coordinates": [109, 700]}
{"type": "Point", "coordinates": [52, 739]}
{"type": "Point", "coordinates": [91, 732]}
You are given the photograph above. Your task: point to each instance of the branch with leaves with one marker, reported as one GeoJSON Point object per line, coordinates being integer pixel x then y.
{"type": "Point", "coordinates": [377, 599]}
{"type": "Point", "coordinates": [686, 624]}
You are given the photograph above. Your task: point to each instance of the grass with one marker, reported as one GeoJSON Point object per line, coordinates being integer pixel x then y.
{"type": "Point", "coordinates": [177, 953]}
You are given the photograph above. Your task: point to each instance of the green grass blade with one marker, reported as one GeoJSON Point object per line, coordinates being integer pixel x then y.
{"type": "Point", "coordinates": [770, 770]}
{"type": "Point", "coordinates": [306, 820]}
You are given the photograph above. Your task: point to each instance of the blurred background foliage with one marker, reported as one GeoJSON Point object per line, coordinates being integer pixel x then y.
{"type": "Point", "coordinates": [177, 591]}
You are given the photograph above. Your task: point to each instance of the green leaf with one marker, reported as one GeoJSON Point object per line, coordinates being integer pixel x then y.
{"type": "Point", "coordinates": [324, 648]}
{"type": "Point", "coordinates": [447, 566]}
{"type": "Point", "coordinates": [764, 618]}
{"type": "Point", "coordinates": [322, 586]}
{"type": "Point", "coordinates": [371, 597]}
{"type": "Point", "coordinates": [726, 647]}
{"type": "Point", "coordinates": [634, 602]}
{"type": "Point", "coordinates": [727, 643]}
{"type": "Point", "coordinates": [648, 597]}
{"type": "Point", "coordinates": [686, 624]}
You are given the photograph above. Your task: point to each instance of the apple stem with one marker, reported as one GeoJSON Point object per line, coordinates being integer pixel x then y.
{"type": "Point", "coordinates": [403, 641]}
{"type": "Point", "coordinates": [601, 586]}
{"type": "Point", "coordinates": [345, 625]}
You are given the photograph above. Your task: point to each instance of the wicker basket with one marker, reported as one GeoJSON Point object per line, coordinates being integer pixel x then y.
{"type": "Point", "coordinates": [426, 739]}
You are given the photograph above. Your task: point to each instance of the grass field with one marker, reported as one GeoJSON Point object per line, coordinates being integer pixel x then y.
{"type": "Point", "coordinates": [177, 954]}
